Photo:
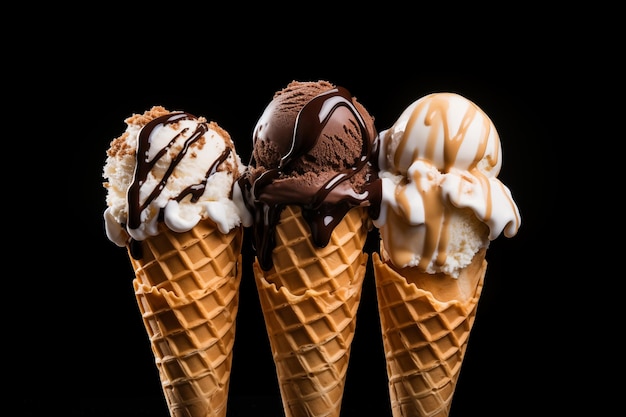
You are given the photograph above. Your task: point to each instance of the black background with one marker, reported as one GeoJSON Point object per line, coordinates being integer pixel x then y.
{"type": "Point", "coordinates": [84, 351]}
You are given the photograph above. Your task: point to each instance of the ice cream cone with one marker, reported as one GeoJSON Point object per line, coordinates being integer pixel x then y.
{"type": "Point", "coordinates": [186, 285]}
{"type": "Point", "coordinates": [309, 301]}
{"type": "Point", "coordinates": [426, 321]}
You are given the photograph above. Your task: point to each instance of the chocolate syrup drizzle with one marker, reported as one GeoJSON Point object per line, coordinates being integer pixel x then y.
{"type": "Point", "coordinates": [266, 199]}
{"type": "Point", "coordinates": [145, 165]}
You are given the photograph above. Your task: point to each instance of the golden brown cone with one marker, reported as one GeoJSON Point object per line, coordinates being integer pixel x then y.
{"type": "Point", "coordinates": [309, 301]}
{"type": "Point", "coordinates": [187, 290]}
{"type": "Point", "coordinates": [425, 338]}
{"type": "Point", "coordinates": [300, 265]}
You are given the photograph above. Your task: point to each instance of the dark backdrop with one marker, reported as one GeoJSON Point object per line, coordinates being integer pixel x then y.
{"type": "Point", "coordinates": [84, 351]}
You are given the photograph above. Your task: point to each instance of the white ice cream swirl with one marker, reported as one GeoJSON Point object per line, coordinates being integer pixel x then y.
{"type": "Point", "coordinates": [171, 167]}
{"type": "Point", "coordinates": [441, 199]}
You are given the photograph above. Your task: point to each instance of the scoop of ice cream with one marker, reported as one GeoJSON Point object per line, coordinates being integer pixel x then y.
{"type": "Point", "coordinates": [310, 141]}
{"type": "Point", "coordinates": [172, 167]}
{"type": "Point", "coordinates": [442, 201]}
{"type": "Point", "coordinates": [311, 147]}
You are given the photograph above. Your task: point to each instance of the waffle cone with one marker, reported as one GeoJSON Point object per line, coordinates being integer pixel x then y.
{"type": "Point", "coordinates": [426, 325]}
{"type": "Point", "coordinates": [187, 290]}
{"type": "Point", "coordinates": [309, 301]}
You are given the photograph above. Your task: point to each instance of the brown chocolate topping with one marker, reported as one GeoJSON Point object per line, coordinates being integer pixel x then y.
{"type": "Point", "coordinates": [144, 166]}
{"type": "Point", "coordinates": [323, 206]}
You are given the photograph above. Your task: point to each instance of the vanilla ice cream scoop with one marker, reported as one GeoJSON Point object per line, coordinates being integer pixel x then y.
{"type": "Point", "coordinates": [442, 201]}
{"type": "Point", "coordinates": [172, 167]}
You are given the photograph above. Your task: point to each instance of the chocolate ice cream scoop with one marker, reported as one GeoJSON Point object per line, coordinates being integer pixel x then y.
{"type": "Point", "coordinates": [313, 147]}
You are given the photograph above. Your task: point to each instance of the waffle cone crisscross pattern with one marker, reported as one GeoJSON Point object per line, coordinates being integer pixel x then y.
{"type": "Point", "coordinates": [310, 301]}
{"type": "Point", "coordinates": [187, 290]}
{"type": "Point", "coordinates": [300, 265]}
{"type": "Point", "coordinates": [424, 341]}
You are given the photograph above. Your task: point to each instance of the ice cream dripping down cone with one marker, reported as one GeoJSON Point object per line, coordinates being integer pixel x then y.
{"type": "Point", "coordinates": [309, 185]}
{"type": "Point", "coordinates": [311, 318]}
